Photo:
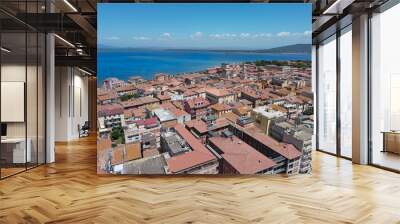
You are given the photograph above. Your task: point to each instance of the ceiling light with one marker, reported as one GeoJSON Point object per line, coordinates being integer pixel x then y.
{"type": "Point", "coordinates": [5, 50]}
{"type": "Point", "coordinates": [70, 5]}
{"type": "Point", "coordinates": [337, 7]}
{"type": "Point", "coordinates": [65, 41]}
{"type": "Point", "coordinates": [84, 71]}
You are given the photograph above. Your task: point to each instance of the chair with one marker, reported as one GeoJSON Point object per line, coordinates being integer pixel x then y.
{"type": "Point", "coordinates": [84, 130]}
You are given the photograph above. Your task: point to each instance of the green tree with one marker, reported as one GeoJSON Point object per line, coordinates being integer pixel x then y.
{"type": "Point", "coordinates": [117, 135]}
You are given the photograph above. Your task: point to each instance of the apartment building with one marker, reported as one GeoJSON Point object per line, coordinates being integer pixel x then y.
{"type": "Point", "coordinates": [221, 96]}
{"type": "Point", "coordinates": [196, 107]}
{"type": "Point", "coordinates": [264, 116]}
{"type": "Point", "coordinates": [286, 156]}
{"type": "Point", "coordinates": [237, 157]}
{"type": "Point", "coordinates": [199, 160]}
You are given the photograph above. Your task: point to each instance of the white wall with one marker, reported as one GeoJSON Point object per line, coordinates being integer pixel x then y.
{"type": "Point", "coordinates": [71, 103]}
{"type": "Point", "coordinates": [11, 73]}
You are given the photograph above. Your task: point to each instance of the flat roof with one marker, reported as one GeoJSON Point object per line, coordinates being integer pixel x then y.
{"type": "Point", "coordinates": [148, 165]}
{"type": "Point", "coordinates": [268, 112]}
{"type": "Point", "coordinates": [164, 115]}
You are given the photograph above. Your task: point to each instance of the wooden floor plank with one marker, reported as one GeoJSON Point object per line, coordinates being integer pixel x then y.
{"type": "Point", "coordinates": [70, 191]}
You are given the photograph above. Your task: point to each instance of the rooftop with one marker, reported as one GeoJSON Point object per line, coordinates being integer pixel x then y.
{"type": "Point", "coordinates": [198, 102]}
{"type": "Point", "coordinates": [132, 151]}
{"type": "Point", "coordinates": [268, 112]}
{"type": "Point", "coordinates": [107, 96]}
{"type": "Point", "coordinates": [164, 115]}
{"type": "Point", "coordinates": [109, 109]}
{"type": "Point", "coordinates": [220, 107]}
{"type": "Point", "coordinates": [148, 123]}
{"type": "Point", "coordinates": [175, 143]}
{"type": "Point", "coordinates": [139, 102]}
{"type": "Point", "coordinates": [241, 156]}
{"type": "Point", "coordinates": [199, 154]}
{"type": "Point", "coordinates": [286, 150]}
{"type": "Point", "coordinates": [201, 127]}
{"type": "Point", "coordinates": [218, 92]}
{"type": "Point", "coordinates": [148, 165]}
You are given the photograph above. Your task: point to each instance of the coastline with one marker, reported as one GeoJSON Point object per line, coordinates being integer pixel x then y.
{"type": "Point", "coordinates": [148, 62]}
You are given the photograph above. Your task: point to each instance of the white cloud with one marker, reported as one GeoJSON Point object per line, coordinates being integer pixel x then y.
{"type": "Point", "coordinates": [261, 35]}
{"type": "Point", "coordinates": [196, 35]}
{"type": "Point", "coordinates": [244, 35]}
{"type": "Point", "coordinates": [141, 38]}
{"type": "Point", "coordinates": [283, 34]}
{"type": "Point", "coordinates": [307, 33]}
{"type": "Point", "coordinates": [223, 36]}
{"type": "Point", "coordinates": [166, 35]}
{"type": "Point", "coordinates": [231, 36]}
{"type": "Point", "coordinates": [266, 35]}
{"type": "Point", "coordinates": [220, 36]}
{"type": "Point", "coordinates": [112, 38]}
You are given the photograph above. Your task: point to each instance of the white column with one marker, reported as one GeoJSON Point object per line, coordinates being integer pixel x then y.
{"type": "Point", "coordinates": [360, 89]}
{"type": "Point", "coordinates": [50, 98]}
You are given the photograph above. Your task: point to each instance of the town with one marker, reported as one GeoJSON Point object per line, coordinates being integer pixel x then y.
{"type": "Point", "coordinates": [244, 118]}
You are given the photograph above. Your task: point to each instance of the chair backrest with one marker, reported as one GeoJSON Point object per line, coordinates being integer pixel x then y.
{"type": "Point", "coordinates": [85, 125]}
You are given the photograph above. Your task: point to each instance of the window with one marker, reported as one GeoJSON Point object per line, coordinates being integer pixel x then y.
{"type": "Point", "coordinates": [346, 92]}
{"type": "Point", "coordinates": [385, 88]}
{"type": "Point", "coordinates": [327, 95]}
{"type": "Point", "coordinates": [22, 72]}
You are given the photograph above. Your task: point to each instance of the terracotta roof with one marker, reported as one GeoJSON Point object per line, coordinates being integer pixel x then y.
{"type": "Point", "coordinates": [198, 102]}
{"type": "Point", "coordinates": [241, 109]}
{"type": "Point", "coordinates": [136, 113]}
{"type": "Point", "coordinates": [279, 108]}
{"type": "Point", "coordinates": [163, 97]}
{"type": "Point", "coordinates": [231, 117]}
{"type": "Point", "coordinates": [167, 105]}
{"type": "Point", "coordinates": [286, 150]}
{"type": "Point", "coordinates": [103, 144]}
{"type": "Point", "coordinates": [126, 88]}
{"type": "Point", "coordinates": [147, 122]}
{"type": "Point", "coordinates": [241, 156]}
{"type": "Point", "coordinates": [220, 107]}
{"type": "Point", "coordinates": [178, 104]}
{"type": "Point", "coordinates": [139, 102]}
{"type": "Point", "coordinates": [109, 109]}
{"type": "Point", "coordinates": [178, 112]}
{"type": "Point", "coordinates": [201, 126]}
{"type": "Point", "coordinates": [108, 96]}
{"type": "Point", "coordinates": [132, 151]}
{"type": "Point", "coordinates": [189, 92]}
{"type": "Point", "coordinates": [218, 92]}
{"type": "Point", "coordinates": [117, 156]}
{"type": "Point", "coordinates": [198, 156]}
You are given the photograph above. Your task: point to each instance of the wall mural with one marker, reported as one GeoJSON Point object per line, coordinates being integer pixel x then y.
{"type": "Point", "coordinates": [204, 88]}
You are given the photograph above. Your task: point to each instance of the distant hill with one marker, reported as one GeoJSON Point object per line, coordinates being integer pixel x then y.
{"type": "Point", "coordinates": [289, 49]}
{"type": "Point", "coordinates": [296, 48]}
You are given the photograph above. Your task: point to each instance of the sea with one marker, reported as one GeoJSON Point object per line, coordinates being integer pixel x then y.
{"type": "Point", "coordinates": [124, 63]}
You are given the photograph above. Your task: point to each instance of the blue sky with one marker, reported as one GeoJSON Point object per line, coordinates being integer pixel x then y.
{"type": "Point", "coordinates": [217, 26]}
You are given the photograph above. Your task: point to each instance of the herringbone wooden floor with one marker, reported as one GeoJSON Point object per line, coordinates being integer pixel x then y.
{"type": "Point", "coordinates": [69, 191]}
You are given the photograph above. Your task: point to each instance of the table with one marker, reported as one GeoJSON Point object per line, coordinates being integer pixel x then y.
{"type": "Point", "coordinates": [391, 141]}
{"type": "Point", "coordinates": [13, 150]}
